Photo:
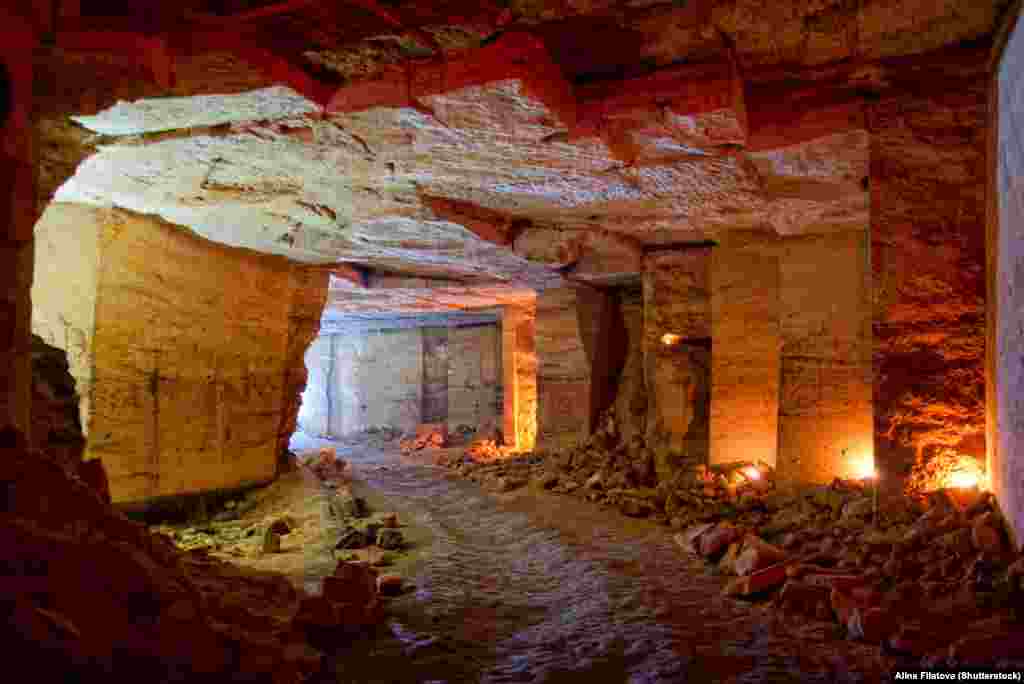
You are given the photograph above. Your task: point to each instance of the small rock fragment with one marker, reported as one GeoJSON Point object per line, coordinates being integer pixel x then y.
{"type": "Point", "coordinates": [390, 539]}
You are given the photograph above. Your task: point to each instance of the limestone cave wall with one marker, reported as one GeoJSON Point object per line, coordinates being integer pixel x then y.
{"type": "Point", "coordinates": [631, 399]}
{"type": "Point", "coordinates": [400, 378]}
{"type": "Point", "coordinates": [17, 215]}
{"type": "Point", "coordinates": [756, 349]}
{"type": "Point", "coordinates": [928, 181]}
{"type": "Point", "coordinates": [1006, 285]}
{"type": "Point", "coordinates": [677, 368]}
{"type": "Point", "coordinates": [474, 377]}
{"type": "Point", "coordinates": [519, 371]}
{"type": "Point", "coordinates": [563, 371]}
{"type": "Point", "coordinates": [190, 355]}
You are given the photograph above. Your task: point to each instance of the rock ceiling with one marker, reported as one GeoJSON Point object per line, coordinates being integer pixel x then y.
{"type": "Point", "coordinates": [544, 147]}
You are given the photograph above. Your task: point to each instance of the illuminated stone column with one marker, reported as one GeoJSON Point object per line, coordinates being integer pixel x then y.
{"type": "Point", "coordinates": [677, 356]}
{"type": "Point", "coordinates": [745, 356]}
{"type": "Point", "coordinates": [519, 364]}
{"type": "Point", "coordinates": [825, 408]}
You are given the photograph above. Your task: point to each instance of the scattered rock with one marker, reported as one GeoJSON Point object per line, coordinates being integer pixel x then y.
{"type": "Point", "coordinates": [985, 534]}
{"type": "Point", "coordinates": [757, 583]}
{"type": "Point", "coordinates": [715, 541]}
{"type": "Point", "coordinates": [428, 436]}
{"type": "Point", "coordinates": [283, 525]}
{"type": "Point", "coordinates": [808, 600]}
{"type": "Point", "coordinates": [351, 538]}
{"type": "Point", "coordinates": [390, 520]}
{"type": "Point", "coordinates": [509, 483]}
{"type": "Point", "coordinates": [547, 480]}
{"type": "Point", "coordinates": [757, 555]}
{"type": "Point", "coordinates": [271, 542]}
{"type": "Point", "coordinates": [389, 585]}
{"type": "Point", "coordinates": [390, 539]}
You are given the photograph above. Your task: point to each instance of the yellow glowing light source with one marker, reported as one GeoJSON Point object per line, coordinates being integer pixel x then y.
{"type": "Point", "coordinates": [864, 469]}
{"type": "Point", "coordinates": [752, 473]}
{"type": "Point", "coordinates": [668, 339]}
{"type": "Point", "coordinates": [962, 479]}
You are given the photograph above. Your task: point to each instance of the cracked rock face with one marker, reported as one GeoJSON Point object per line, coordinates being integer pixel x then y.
{"type": "Point", "coordinates": [479, 187]}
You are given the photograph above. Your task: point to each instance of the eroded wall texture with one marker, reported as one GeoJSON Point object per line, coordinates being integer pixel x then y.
{"type": "Point", "coordinates": [745, 357]}
{"type": "Point", "coordinates": [825, 411]}
{"type": "Point", "coordinates": [473, 357]}
{"type": "Point", "coordinates": [189, 366]}
{"type": "Point", "coordinates": [1006, 465]}
{"type": "Point", "coordinates": [402, 377]}
{"type": "Point", "coordinates": [519, 371]}
{"type": "Point", "coordinates": [677, 368]}
{"type": "Point", "coordinates": [631, 399]}
{"type": "Point", "coordinates": [17, 215]}
{"type": "Point", "coordinates": [928, 180]}
{"type": "Point", "coordinates": [563, 371]}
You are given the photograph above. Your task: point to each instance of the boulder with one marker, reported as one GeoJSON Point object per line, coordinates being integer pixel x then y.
{"type": "Point", "coordinates": [318, 612]}
{"type": "Point", "coordinates": [727, 565]}
{"type": "Point", "coordinates": [801, 598]}
{"type": "Point", "coordinates": [757, 555]}
{"type": "Point", "coordinates": [715, 541]}
{"type": "Point", "coordinates": [389, 585]}
{"type": "Point", "coordinates": [690, 539]}
{"type": "Point", "coordinates": [985, 534]}
{"type": "Point", "coordinates": [859, 508]}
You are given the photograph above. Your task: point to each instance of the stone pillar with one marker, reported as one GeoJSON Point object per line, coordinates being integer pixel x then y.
{"type": "Point", "coordinates": [309, 296]}
{"type": "Point", "coordinates": [435, 376]}
{"type": "Point", "coordinates": [564, 364]}
{"type": "Point", "coordinates": [519, 364]}
{"type": "Point", "coordinates": [677, 356]}
{"type": "Point", "coordinates": [745, 358]}
{"type": "Point", "coordinates": [605, 342]}
{"type": "Point", "coordinates": [825, 411]}
{"type": "Point", "coordinates": [927, 184]}
{"type": "Point", "coordinates": [17, 218]}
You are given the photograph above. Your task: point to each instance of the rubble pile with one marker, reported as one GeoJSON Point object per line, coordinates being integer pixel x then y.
{"type": "Point", "coordinates": [428, 436]}
{"type": "Point", "coordinates": [485, 450]}
{"type": "Point", "coordinates": [91, 594]}
{"type": "Point", "coordinates": [931, 577]}
{"type": "Point", "coordinates": [328, 467]}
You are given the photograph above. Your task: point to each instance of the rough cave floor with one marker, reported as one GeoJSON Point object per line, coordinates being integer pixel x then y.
{"type": "Point", "coordinates": [535, 587]}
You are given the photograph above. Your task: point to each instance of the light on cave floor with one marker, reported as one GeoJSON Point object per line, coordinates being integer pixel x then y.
{"type": "Point", "coordinates": [669, 339]}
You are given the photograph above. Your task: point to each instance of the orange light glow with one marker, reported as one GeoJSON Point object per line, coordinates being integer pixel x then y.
{"type": "Point", "coordinates": [963, 479]}
{"type": "Point", "coordinates": [864, 468]}
{"type": "Point", "coordinates": [752, 473]}
{"type": "Point", "coordinates": [668, 339]}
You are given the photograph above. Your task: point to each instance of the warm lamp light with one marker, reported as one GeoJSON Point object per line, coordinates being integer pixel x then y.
{"type": "Point", "coordinates": [752, 473]}
{"type": "Point", "coordinates": [668, 339]}
{"type": "Point", "coordinates": [864, 469]}
{"type": "Point", "coordinates": [962, 479]}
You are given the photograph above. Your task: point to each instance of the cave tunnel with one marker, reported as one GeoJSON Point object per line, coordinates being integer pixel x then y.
{"type": "Point", "coordinates": [423, 342]}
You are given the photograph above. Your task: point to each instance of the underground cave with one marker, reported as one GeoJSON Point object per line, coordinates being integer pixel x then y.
{"type": "Point", "coordinates": [389, 341]}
